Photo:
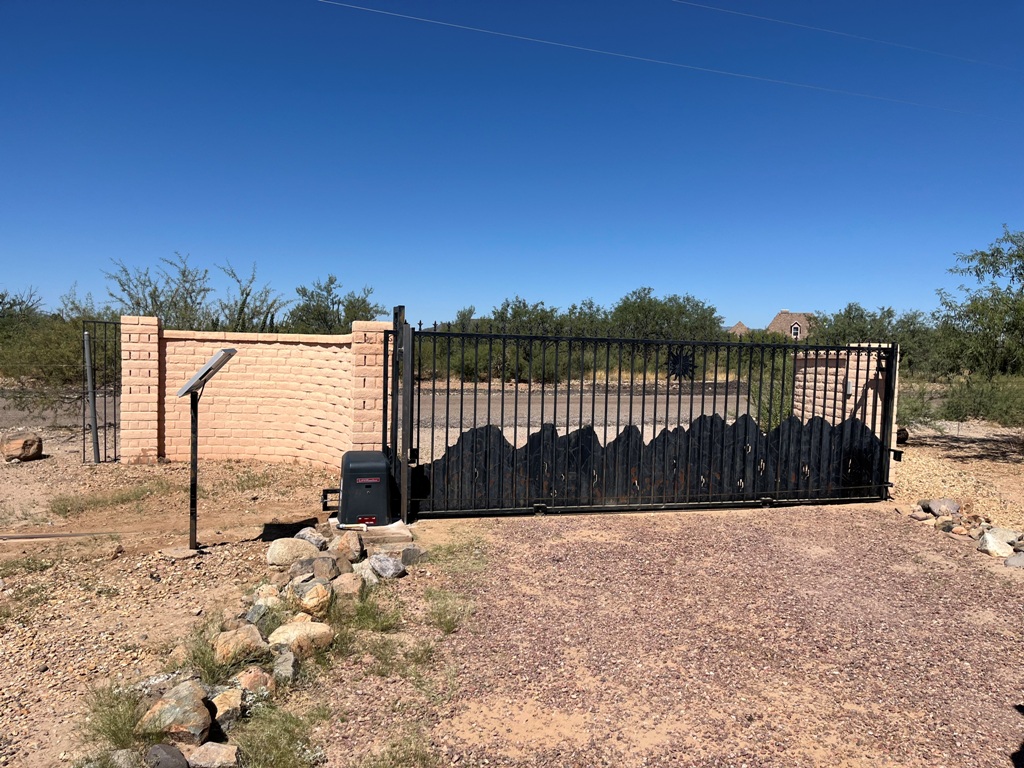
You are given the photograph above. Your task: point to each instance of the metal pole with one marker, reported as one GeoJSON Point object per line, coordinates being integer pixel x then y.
{"type": "Point", "coordinates": [192, 485]}
{"type": "Point", "coordinates": [407, 415]}
{"type": "Point", "coordinates": [91, 390]}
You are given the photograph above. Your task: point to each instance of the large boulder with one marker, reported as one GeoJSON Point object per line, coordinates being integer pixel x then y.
{"type": "Point", "coordinates": [23, 446]}
{"type": "Point", "coordinates": [284, 552]}
{"type": "Point", "coordinates": [181, 715]}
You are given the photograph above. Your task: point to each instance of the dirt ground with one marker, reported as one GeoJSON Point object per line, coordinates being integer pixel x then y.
{"type": "Point", "coordinates": [835, 636]}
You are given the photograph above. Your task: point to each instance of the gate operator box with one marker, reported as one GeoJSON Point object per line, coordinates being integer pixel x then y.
{"type": "Point", "coordinates": [365, 489]}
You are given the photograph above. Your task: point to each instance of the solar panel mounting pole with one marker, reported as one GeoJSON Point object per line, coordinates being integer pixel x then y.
{"type": "Point", "coordinates": [194, 388]}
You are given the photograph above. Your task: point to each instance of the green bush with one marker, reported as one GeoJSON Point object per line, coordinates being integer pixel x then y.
{"type": "Point", "coordinates": [1000, 400]}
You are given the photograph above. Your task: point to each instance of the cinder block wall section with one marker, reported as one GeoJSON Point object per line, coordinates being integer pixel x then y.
{"type": "Point", "coordinates": [839, 386]}
{"type": "Point", "coordinates": [282, 398]}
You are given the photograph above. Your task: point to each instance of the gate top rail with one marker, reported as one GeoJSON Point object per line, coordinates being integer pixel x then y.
{"type": "Point", "coordinates": [625, 340]}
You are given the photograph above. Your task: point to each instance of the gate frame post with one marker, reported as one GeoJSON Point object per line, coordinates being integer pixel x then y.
{"type": "Point", "coordinates": [401, 409]}
{"type": "Point", "coordinates": [407, 417]}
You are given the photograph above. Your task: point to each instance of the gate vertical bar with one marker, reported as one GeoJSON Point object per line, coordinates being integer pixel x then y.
{"type": "Point", "coordinates": [91, 385]}
{"type": "Point", "coordinates": [398, 322]}
{"type": "Point", "coordinates": [407, 419]}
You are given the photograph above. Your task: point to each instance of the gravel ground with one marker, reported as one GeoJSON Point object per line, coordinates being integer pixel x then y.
{"type": "Point", "coordinates": [77, 616]}
{"type": "Point", "coordinates": [846, 636]}
{"type": "Point", "coordinates": [837, 636]}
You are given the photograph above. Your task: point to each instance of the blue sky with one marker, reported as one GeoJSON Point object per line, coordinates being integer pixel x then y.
{"type": "Point", "coordinates": [446, 167]}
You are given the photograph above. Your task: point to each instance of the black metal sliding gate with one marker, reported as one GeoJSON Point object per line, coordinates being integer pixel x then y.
{"type": "Point", "coordinates": [488, 423]}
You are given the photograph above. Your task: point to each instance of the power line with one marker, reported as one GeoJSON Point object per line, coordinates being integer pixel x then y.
{"type": "Point", "coordinates": [647, 60]}
{"type": "Point", "coordinates": [849, 35]}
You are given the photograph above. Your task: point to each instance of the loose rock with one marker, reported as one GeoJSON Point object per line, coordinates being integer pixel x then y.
{"type": "Point", "coordinates": [313, 597]}
{"type": "Point", "coordinates": [255, 680]}
{"type": "Point", "coordinates": [939, 507]}
{"type": "Point", "coordinates": [1007, 535]}
{"type": "Point", "coordinates": [181, 714]}
{"type": "Point", "coordinates": [993, 546]}
{"type": "Point", "coordinates": [1016, 561]}
{"type": "Point", "coordinates": [313, 537]}
{"type": "Point", "coordinates": [165, 756]}
{"type": "Point", "coordinates": [386, 567]}
{"type": "Point", "coordinates": [286, 551]}
{"type": "Point", "coordinates": [302, 639]}
{"type": "Point", "coordinates": [286, 668]}
{"type": "Point", "coordinates": [227, 708]}
{"type": "Point", "coordinates": [23, 446]}
{"type": "Point", "coordinates": [214, 755]}
{"type": "Point", "coordinates": [347, 586]}
{"type": "Point", "coordinates": [238, 643]}
{"type": "Point", "coordinates": [347, 545]}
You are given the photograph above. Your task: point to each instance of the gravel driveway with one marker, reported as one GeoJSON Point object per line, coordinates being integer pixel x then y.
{"type": "Point", "coordinates": [840, 636]}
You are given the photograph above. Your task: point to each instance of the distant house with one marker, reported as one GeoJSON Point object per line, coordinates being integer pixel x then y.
{"type": "Point", "coordinates": [739, 330]}
{"type": "Point", "coordinates": [795, 325]}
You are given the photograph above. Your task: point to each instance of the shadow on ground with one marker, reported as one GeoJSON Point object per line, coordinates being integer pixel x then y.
{"type": "Point", "coordinates": [1005, 449]}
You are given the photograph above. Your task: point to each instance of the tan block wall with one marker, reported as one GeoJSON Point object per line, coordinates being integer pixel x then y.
{"type": "Point", "coordinates": [141, 389]}
{"type": "Point", "coordinates": [282, 397]}
{"type": "Point", "coordinates": [820, 388]}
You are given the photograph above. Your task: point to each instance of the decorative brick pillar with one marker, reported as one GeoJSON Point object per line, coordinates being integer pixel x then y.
{"type": "Point", "coordinates": [141, 385]}
{"type": "Point", "coordinates": [367, 385]}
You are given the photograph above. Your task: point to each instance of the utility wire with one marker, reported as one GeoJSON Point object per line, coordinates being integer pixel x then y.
{"type": "Point", "coordinates": [646, 60]}
{"type": "Point", "coordinates": [847, 35]}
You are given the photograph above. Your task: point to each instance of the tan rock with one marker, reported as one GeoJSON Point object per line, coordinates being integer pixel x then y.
{"type": "Point", "coordinates": [312, 597]}
{"type": "Point", "coordinates": [227, 708]}
{"type": "Point", "coordinates": [347, 586]}
{"type": "Point", "coordinates": [303, 639]}
{"type": "Point", "coordinates": [284, 552]}
{"type": "Point", "coordinates": [214, 755]}
{"type": "Point", "coordinates": [256, 680]}
{"type": "Point", "coordinates": [267, 590]}
{"type": "Point", "coordinates": [237, 644]}
{"type": "Point", "coordinates": [347, 546]}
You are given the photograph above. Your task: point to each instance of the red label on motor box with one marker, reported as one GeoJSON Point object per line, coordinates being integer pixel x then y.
{"type": "Point", "coordinates": [360, 480]}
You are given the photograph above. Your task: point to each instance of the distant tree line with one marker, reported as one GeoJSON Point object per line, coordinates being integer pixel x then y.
{"type": "Point", "coordinates": [962, 360]}
{"type": "Point", "coordinates": [41, 350]}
